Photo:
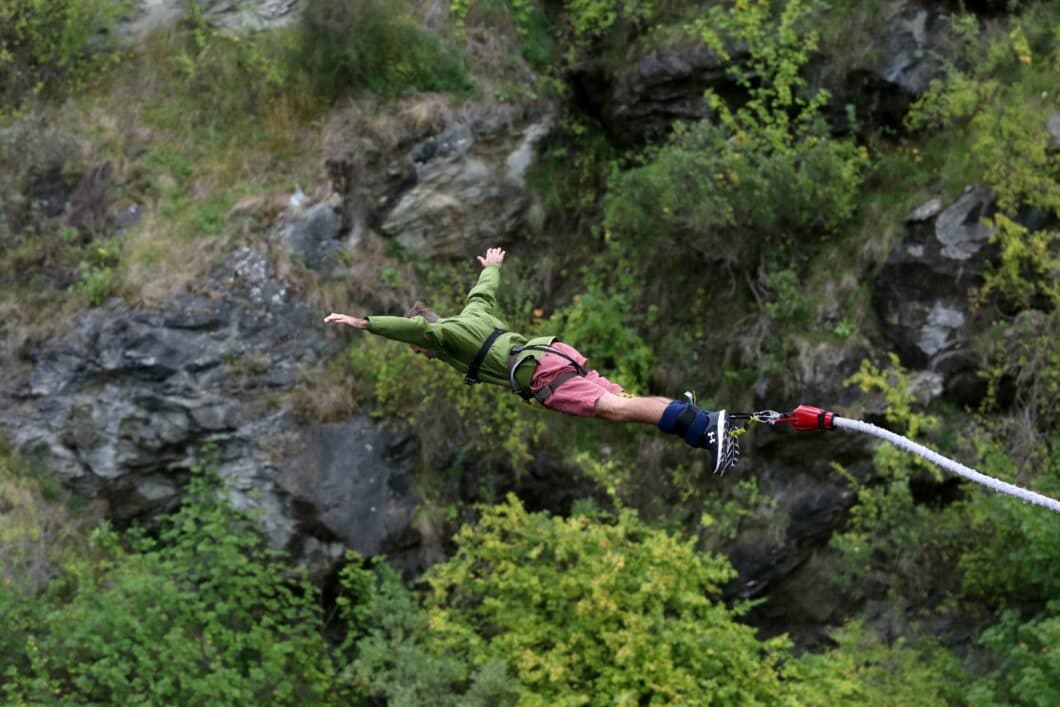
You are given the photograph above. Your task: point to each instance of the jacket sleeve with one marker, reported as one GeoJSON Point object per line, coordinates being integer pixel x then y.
{"type": "Point", "coordinates": [416, 330]}
{"type": "Point", "coordinates": [483, 296]}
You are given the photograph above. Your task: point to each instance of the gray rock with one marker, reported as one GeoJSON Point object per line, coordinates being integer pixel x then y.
{"type": "Point", "coordinates": [125, 405]}
{"type": "Point", "coordinates": [468, 186]}
{"type": "Point", "coordinates": [354, 480]}
{"type": "Point", "coordinates": [151, 15]}
{"type": "Point", "coordinates": [314, 237]}
{"type": "Point", "coordinates": [923, 292]}
{"type": "Point", "coordinates": [902, 47]}
{"type": "Point", "coordinates": [661, 88]}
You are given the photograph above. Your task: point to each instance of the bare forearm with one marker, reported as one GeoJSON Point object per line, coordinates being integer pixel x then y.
{"type": "Point", "coordinates": [346, 320]}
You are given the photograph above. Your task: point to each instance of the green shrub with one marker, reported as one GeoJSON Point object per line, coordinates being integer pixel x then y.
{"type": "Point", "coordinates": [1028, 271]}
{"type": "Point", "coordinates": [596, 610]}
{"type": "Point", "coordinates": [864, 670]}
{"type": "Point", "coordinates": [765, 177]}
{"type": "Point", "coordinates": [1022, 355]}
{"type": "Point", "coordinates": [732, 202]}
{"type": "Point", "coordinates": [991, 111]}
{"type": "Point", "coordinates": [600, 324]}
{"type": "Point", "coordinates": [528, 16]}
{"type": "Point", "coordinates": [394, 662]}
{"type": "Point", "coordinates": [1028, 668]}
{"type": "Point", "coordinates": [486, 422]}
{"type": "Point", "coordinates": [46, 45]}
{"type": "Point", "coordinates": [1000, 104]}
{"type": "Point", "coordinates": [202, 614]}
{"type": "Point", "coordinates": [98, 272]}
{"type": "Point", "coordinates": [224, 79]}
{"type": "Point", "coordinates": [1016, 544]}
{"type": "Point", "coordinates": [346, 46]}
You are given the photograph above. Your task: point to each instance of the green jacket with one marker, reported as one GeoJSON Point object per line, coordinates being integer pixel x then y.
{"type": "Point", "coordinates": [457, 340]}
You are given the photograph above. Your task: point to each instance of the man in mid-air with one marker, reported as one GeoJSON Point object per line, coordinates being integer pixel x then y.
{"type": "Point", "coordinates": [545, 369]}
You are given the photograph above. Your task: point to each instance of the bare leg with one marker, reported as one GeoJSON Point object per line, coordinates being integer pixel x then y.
{"type": "Point", "coordinates": [615, 408]}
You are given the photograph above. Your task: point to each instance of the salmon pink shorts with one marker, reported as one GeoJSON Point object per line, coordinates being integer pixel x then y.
{"type": "Point", "coordinates": [578, 395]}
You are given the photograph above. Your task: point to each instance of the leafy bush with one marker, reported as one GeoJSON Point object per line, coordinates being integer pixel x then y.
{"type": "Point", "coordinates": [452, 419]}
{"type": "Point", "coordinates": [599, 324]}
{"type": "Point", "coordinates": [98, 273]}
{"type": "Point", "coordinates": [46, 44]}
{"type": "Point", "coordinates": [203, 614]}
{"type": "Point", "coordinates": [1000, 103]}
{"type": "Point", "coordinates": [1028, 671]}
{"type": "Point", "coordinates": [1028, 271]}
{"type": "Point", "coordinates": [224, 77]}
{"type": "Point", "coordinates": [1022, 362]}
{"type": "Point", "coordinates": [595, 610]}
{"type": "Point", "coordinates": [394, 661]}
{"type": "Point", "coordinates": [377, 45]}
{"type": "Point", "coordinates": [992, 111]}
{"type": "Point", "coordinates": [765, 178]}
{"type": "Point", "coordinates": [864, 670]}
{"type": "Point", "coordinates": [1016, 544]}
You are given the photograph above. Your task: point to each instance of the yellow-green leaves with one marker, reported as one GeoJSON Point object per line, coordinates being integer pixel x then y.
{"type": "Point", "coordinates": [594, 610]}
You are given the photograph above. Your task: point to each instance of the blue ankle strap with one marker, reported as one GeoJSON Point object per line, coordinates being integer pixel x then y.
{"type": "Point", "coordinates": [684, 420]}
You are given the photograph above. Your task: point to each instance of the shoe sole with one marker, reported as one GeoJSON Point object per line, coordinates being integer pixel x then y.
{"type": "Point", "coordinates": [723, 416]}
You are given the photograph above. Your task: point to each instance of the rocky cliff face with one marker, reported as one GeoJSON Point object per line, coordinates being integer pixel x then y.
{"type": "Point", "coordinates": [122, 405]}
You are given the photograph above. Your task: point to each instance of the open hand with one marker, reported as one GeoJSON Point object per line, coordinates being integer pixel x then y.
{"type": "Point", "coordinates": [347, 320]}
{"type": "Point", "coordinates": [494, 256]}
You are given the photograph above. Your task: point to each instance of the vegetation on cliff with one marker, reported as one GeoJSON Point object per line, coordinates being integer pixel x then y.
{"type": "Point", "coordinates": [742, 221]}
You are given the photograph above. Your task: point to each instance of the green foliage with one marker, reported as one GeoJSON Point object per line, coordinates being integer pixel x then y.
{"type": "Point", "coordinates": [98, 273]}
{"type": "Point", "coordinates": [1001, 103]}
{"type": "Point", "coordinates": [571, 174]}
{"type": "Point", "coordinates": [594, 610]}
{"type": "Point", "coordinates": [777, 46]}
{"type": "Point", "coordinates": [589, 19]}
{"type": "Point", "coordinates": [202, 614]}
{"type": "Point", "coordinates": [998, 103]}
{"type": "Point", "coordinates": [38, 534]}
{"type": "Point", "coordinates": [765, 177]}
{"type": "Point", "coordinates": [394, 663]}
{"type": "Point", "coordinates": [981, 553]}
{"type": "Point", "coordinates": [1028, 672]}
{"type": "Point", "coordinates": [896, 387]}
{"type": "Point", "coordinates": [864, 670]}
{"type": "Point", "coordinates": [531, 23]}
{"type": "Point", "coordinates": [600, 323]}
{"type": "Point", "coordinates": [345, 46]}
{"type": "Point", "coordinates": [1017, 544]}
{"type": "Point", "coordinates": [225, 76]}
{"type": "Point", "coordinates": [893, 545]}
{"type": "Point", "coordinates": [1024, 355]}
{"type": "Point", "coordinates": [49, 44]}
{"type": "Point", "coordinates": [583, 21]}
{"type": "Point", "coordinates": [1029, 267]}
{"type": "Point", "coordinates": [484, 421]}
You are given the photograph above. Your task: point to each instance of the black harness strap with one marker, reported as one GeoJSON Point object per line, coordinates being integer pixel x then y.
{"type": "Point", "coordinates": [472, 371]}
{"type": "Point", "coordinates": [546, 392]}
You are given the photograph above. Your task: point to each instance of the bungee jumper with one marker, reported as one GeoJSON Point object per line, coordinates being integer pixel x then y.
{"type": "Point", "coordinates": [553, 373]}
{"type": "Point", "coordinates": [543, 369]}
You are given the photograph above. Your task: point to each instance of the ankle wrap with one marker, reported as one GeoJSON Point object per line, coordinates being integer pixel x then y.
{"type": "Point", "coordinates": [684, 420]}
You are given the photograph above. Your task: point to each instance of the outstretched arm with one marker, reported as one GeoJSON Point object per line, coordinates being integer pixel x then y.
{"type": "Point", "coordinates": [355, 322]}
